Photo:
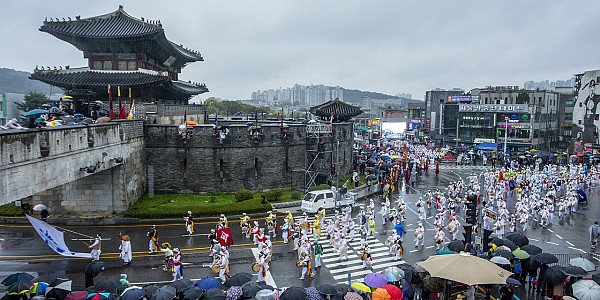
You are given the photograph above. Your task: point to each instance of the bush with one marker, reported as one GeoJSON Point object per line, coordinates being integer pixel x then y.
{"type": "Point", "coordinates": [273, 195]}
{"type": "Point", "coordinates": [243, 195]}
{"type": "Point", "coordinates": [248, 206]}
{"type": "Point", "coordinates": [323, 186]}
{"type": "Point", "coordinates": [296, 195]}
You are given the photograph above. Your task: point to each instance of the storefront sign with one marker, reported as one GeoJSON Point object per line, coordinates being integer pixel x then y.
{"type": "Point", "coordinates": [479, 141]}
{"type": "Point", "coordinates": [492, 108]}
{"type": "Point", "coordinates": [464, 99]}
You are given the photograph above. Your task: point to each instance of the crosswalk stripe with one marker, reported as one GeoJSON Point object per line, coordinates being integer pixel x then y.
{"type": "Point", "coordinates": [389, 264]}
{"type": "Point", "coordinates": [352, 275]}
{"type": "Point", "coordinates": [346, 269]}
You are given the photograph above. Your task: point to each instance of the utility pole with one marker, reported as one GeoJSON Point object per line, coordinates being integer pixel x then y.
{"type": "Point", "coordinates": [457, 133]}
{"type": "Point", "coordinates": [505, 135]}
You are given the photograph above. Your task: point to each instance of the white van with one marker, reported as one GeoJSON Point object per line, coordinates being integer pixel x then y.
{"type": "Point", "coordinates": [315, 200]}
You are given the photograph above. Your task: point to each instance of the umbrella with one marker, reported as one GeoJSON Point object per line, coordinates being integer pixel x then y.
{"type": "Point", "coordinates": [575, 271]}
{"type": "Point", "coordinates": [394, 291]}
{"type": "Point", "coordinates": [327, 289]}
{"type": "Point", "coordinates": [35, 113]}
{"type": "Point", "coordinates": [465, 268]}
{"type": "Point", "coordinates": [352, 296]}
{"type": "Point", "coordinates": [512, 281]}
{"type": "Point", "coordinates": [380, 294]}
{"type": "Point", "coordinates": [586, 290]}
{"type": "Point", "coordinates": [39, 288]}
{"type": "Point", "coordinates": [444, 251]}
{"type": "Point", "coordinates": [133, 293]}
{"type": "Point", "coordinates": [101, 296]}
{"type": "Point", "coordinates": [518, 238]}
{"type": "Point", "coordinates": [234, 293]}
{"type": "Point", "coordinates": [182, 285]}
{"type": "Point", "coordinates": [596, 278]}
{"type": "Point", "coordinates": [62, 283]}
{"type": "Point", "coordinates": [510, 244]}
{"type": "Point", "coordinates": [520, 254]}
{"type": "Point", "coordinates": [77, 295]}
{"type": "Point", "coordinates": [496, 241]}
{"type": "Point", "coordinates": [503, 253]}
{"type": "Point", "coordinates": [107, 285]}
{"type": "Point", "coordinates": [39, 297]}
{"type": "Point", "coordinates": [193, 294]}
{"type": "Point", "coordinates": [392, 276]}
{"type": "Point", "coordinates": [164, 293]}
{"type": "Point", "coordinates": [293, 293]}
{"type": "Point", "coordinates": [208, 283]}
{"type": "Point", "coordinates": [456, 246]}
{"type": "Point", "coordinates": [19, 288]}
{"type": "Point", "coordinates": [57, 293]}
{"type": "Point", "coordinates": [150, 289]}
{"type": "Point", "coordinates": [16, 277]}
{"type": "Point", "coordinates": [375, 280]}
{"type": "Point", "coordinates": [583, 263]}
{"type": "Point", "coordinates": [94, 268]}
{"type": "Point", "coordinates": [504, 248]}
{"type": "Point", "coordinates": [500, 260]}
{"type": "Point", "coordinates": [46, 105]}
{"type": "Point", "coordinates": [410, 274]}
{"type": "Point", "coordinates": [554, 275]}
{"type": "Point", "coordinates": [342, 288]}
{"type": "Point", "coordinates": [265, 295]}
{"type": "Point", "coordinates": [361, 287]}
{"type": "Point", "coordinates": [238, 279]}
{"type": "Point", "coordinates": [546, 258]}
{"type": "Point", "coordinates": [250, 289]}
{"type": "Point", "coordinates": [532, 249]}
{"type": "Point", "coordinates": [433, 284]}
{"type": "Point", "coordinates": [312, 294]}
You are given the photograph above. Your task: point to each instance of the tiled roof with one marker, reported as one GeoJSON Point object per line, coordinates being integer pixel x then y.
{"type": "Point", "coordinates": [341, 111]}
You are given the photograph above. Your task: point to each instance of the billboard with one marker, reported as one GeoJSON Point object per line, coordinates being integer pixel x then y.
{"type": "Point", "coordinates": [464, 99]}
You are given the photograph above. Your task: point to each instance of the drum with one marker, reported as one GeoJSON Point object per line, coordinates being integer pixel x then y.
{"type": "Point", "coordinates": [363, 256]}
{"type": "Point", "coordinates": [255, 267]}
{"type": "Point", "coordinates": [215, 269]}
{"type": "Point", "coordinates": [299, 264]}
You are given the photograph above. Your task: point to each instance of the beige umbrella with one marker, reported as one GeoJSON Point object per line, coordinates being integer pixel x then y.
{"type": "Point", "coordinates": [465, 268]}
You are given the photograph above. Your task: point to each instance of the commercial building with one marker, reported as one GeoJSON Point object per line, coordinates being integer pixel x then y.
{"type": "Point", "coordinates": [435, 101]}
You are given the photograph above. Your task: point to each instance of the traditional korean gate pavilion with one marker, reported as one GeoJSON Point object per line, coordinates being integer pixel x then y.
{"type": "Point", "coordinates": [340, 111]}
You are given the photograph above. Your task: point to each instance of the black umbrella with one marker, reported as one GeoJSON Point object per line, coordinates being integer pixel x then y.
{"type": "Point", "coordinates": [433, 284]}
{"type": "Point", "coordinates": [532, 249]}
{"type": "Point", "coordinates": [574, 271]}
{"type": "Point", "coordinates": [193, 294]}
{"type": "Point", "coordinates": [164, 293]}
{"type": "Point", "coordinates": [293, 293]}
{"type": "Point", "coordinates": [456, 246]}
{"type": "Point", "coordinates": [327, 289]}
{"type": "Point", "coordinates": [342, 288]}
{"type": "Point", "coordinates": [250, 289]}
{"type": "Point", "coordinates": [57, 293]}
{"type": "Point", "coordinates": [410, 274]}
{"type": "Point", "coordinates": [133, 293]}
{"type": "Point", "coordinates": [496, 241]}
{"type": "Point", "coordinates": [150, 289]}
{"type": "Point", "coordinates": [509, 244]}
{"type": "Point", "coordinates": [504, 253]}
{"type": "Point", "coordinates": [16, 277]}
{"type": "Point", "coordinates": [554, 275]}
{"type": "Point", "coordinates": [518, 238]}
{"type": "Point", "coordinates": [238, 279]}
{"type": "Point", "coordinates": [20, 287]}
{"type": "Point", "coordinates": [182, 285]}
{"type": "Point", "coordinates": [596, 278]}
{"type": "Point", "coordinates": [107, 285]}
{"type": "Point", "coordinates": [94, 268]}
{"type": "Point", "coordinates": [546, 258]}
{"type": "Point", "coordinates": [214, 294]}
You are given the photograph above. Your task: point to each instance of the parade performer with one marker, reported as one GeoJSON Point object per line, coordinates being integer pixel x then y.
{"type": "Point", "coordinates": [255, 230]}
{"type": "Point", "coordinates": [419, 235]}
{"type": "Point", "coordinates": [317, 227]}
{"type": "Point", "coordinates": [372, 226]}
{"type": "Point", "coordinates": [153, 243]}
{"type": "Point", "coordinates": [223, 222]}
{"type": "Point", "coordinates": [398, 249]}
{"type": "Point", "coordinates": [306, 266]}
{"type": "Point", "coordinates": [271, 222]}
{"type": "Point", "coordinates": [290, 219]}
{"type": "Point", "coordinates": [343, 250]}
{"type": "Point", "coordinates": [453, 228]}
{"type": "Point", "coordinates": [321, 214]}
{"type": "Point", "coordinates": [285, 231]}
{"type": "Point", "coordinates": [390, 241]}
{"type": "Point", "coordinates": [189, 223]}
{"type": "Point", "coordinates": [166, 249]}
{"type": "Point", "coordinates": [214, 242]}
{"type": "Point", "coordinates": [125, 249]}
{"type": "Point", "coordinates": [439, 238]}
{"type": "Point", "coordinates": [223, 263]}
{"type": "Point", "coordinates": [264, 266]}
{"type": "Point", "coordinates": [96, 247]}
{"type": "Point", "coordinates": [317, 252]}
{"type": "Point", "coordinates": [177, 265]}
{"type": "Point", "coordinates": [366, 256]}
{"type": "Point", "coordinates": [245, 225]}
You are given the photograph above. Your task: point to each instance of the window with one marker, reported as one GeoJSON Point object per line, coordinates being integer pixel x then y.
{"type": "Point", "coordinates": [569, 103]}
{"type": "Point", "coordinates": [132, 65]}
{"type": "Point", "coordinates": [107, 65]}
{"type": "Point", "coordinates": [97, 65]}
{"type": "Point", "coordinates": [122, 65]}
{"type": "Point", "coordinates": [568, 116]}
{"type": "Point", "coordinates": [580, 104]}
{"type": "Point", "coordinates": [579, 122]}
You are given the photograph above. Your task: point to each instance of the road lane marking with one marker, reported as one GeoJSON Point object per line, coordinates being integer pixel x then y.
{"type": "Point", "coordinates": [550, 230]}
{"type": "Point", "coordinates": [531, 239]}
{"type": "Point", "coordinates": [268, 279]}
{"type": "Point", "coordinates": [570, 244]}
{"type": "Point", "coordinates": [429, 247]}
{"type": "Point", "coordinates": [415, 250]}
{"type": "Point", "coordinates": [551, 243]}
{"type": "Point", "coordinates": [558, 236]}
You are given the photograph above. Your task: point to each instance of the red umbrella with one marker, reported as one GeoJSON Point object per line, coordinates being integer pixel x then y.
{"type": "Point", "coordinates": [77, 295]}
{"type": "Point", "coordinates": [394, 291]}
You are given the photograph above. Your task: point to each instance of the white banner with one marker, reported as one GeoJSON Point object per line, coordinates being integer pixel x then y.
{"type": "Point", "coordinates": [54, 238]}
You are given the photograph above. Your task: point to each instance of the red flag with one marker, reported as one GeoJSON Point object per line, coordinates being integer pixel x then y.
{"type": "Point", "coordinates": [111, 113]}
{"type": "Point", "coordinates": [224, 236]}
{"type": "Point", "coordinates": [122, 113]}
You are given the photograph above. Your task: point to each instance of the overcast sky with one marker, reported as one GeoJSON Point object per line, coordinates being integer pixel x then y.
{"type": "Point", "coordinates": [383, 46]}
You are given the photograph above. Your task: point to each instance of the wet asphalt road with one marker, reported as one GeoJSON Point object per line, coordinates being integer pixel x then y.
{"type": "Point", "coordinates": [22, 250]}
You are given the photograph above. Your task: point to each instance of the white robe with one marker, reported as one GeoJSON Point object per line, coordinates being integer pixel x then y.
{"type": "Point", "coordinates": [125, 251]}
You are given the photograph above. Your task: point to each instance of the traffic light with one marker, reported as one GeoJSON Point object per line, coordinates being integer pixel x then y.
{"type": "Point", "coordinates": [467, 234]}
{"type": "Point", "coordinates": [332, 169]}
{"type": "Point", "coordinates": [471, 213]}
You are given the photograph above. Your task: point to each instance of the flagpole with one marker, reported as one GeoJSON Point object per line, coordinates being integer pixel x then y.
{"type": "Point", "coordinates": [110, 104]}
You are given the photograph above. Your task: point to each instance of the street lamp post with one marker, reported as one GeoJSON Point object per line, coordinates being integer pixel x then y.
{"type": "Point", "coordinates": [505, 134]}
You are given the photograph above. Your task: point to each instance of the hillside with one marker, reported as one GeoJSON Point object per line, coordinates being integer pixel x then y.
{"type": "Point", "coordinates": [18, 82]}
{"type": "Point", "coordinates": [355, 96]}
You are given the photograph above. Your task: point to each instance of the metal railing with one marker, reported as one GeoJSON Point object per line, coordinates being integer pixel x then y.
{"type": "Point", "coordinates": [563, 259]}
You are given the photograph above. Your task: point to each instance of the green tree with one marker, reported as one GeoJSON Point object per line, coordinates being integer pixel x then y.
{"type": "Point", "coordinates": [227, 107]}
{"type": "Point", "coordinates": [523, 97]}
{"type": "Point", "coordinates": [32, 100]}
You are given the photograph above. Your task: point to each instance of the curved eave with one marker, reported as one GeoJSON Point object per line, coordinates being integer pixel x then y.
{"type": "Point", "coordinates": [92, 79]}
{"type": "Point", "coordinates": [186, 88]}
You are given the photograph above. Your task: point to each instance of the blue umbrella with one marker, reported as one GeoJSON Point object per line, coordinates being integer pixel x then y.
{"type": "Point", "coordinates": [512, 281]}
{"type": "Point", "coordinates": [16, 277]}
{"type": "Point", "coordinates": [444, 251]}
{"type": "Point", "coordinates": [208, 283]}
{"type": "Point", "coordinates": [35, 112]}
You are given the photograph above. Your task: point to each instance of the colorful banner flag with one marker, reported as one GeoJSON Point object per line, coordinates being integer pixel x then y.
{"type": "Point", "coordinates": [54, 238]}
{"type": "Point", "coordinates": [131, 114]}
{"type": "Point", "coordinates": [224, 236]}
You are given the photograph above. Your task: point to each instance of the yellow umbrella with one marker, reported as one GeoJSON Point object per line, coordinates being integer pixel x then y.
{"type": "Point", "coordinates": [359, 286]}
{"type": "Point", "coordinates": [67, 97]}
{"type": "Point", "coordinates": [465, 268]}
